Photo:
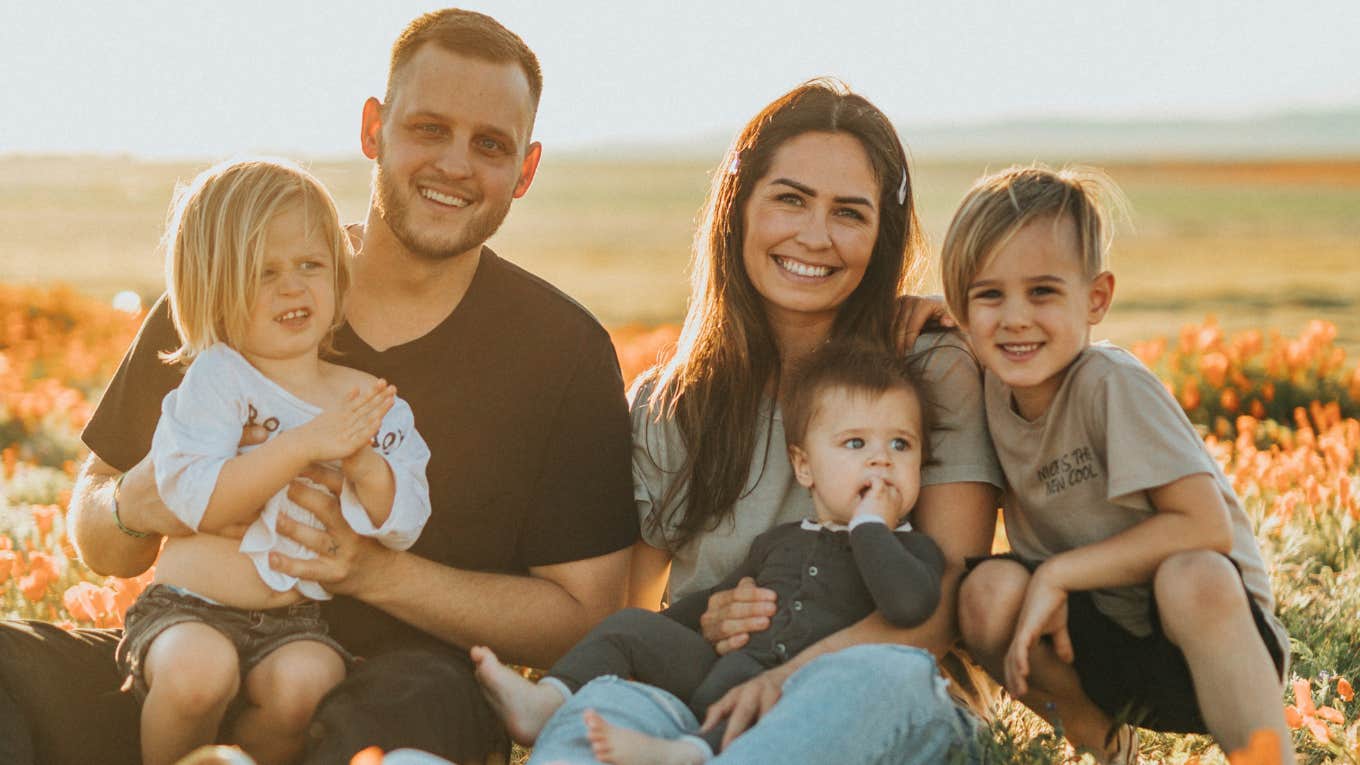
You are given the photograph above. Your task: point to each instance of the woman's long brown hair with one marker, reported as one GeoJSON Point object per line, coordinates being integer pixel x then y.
{"type": "Point", "coordinates": [727, 360]}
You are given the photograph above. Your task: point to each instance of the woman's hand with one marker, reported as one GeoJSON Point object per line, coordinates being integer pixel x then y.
{"type": "Point", "coordinates": [734, 614]}
{"type": "Point", "coordinates": [1044, 612]}
{"type": "Point", "coordinates": [916, 314]}
{"type": "Point", "coordinates": [744, 705]}
{"type": "Point", "coordinates": [345, 562]}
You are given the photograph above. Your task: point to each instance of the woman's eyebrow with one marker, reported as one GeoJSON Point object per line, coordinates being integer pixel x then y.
{"type": "Point", "coordinates": [808, 190]}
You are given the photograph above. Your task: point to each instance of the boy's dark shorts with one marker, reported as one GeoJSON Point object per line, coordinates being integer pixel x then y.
{"type": "Point", "coordinates": [255, 634]}
{"type": "Point", "coordinates": [1140, 680]}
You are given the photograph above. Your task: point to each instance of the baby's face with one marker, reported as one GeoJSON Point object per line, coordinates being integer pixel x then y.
{"type": "Point", "coordinates": [853, 438]}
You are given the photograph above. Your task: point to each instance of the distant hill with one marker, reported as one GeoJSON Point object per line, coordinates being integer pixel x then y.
{"type": "Point", "coordinates": [1293, 134]}
{"type": "Point", "coordinates": [1297, 134]}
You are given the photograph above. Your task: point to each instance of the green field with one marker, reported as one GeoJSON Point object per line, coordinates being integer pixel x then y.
{"type": "Point", "coordinates": [1269, 244]}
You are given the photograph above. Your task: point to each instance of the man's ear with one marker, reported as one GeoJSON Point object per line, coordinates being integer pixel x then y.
{"type": "Point", "coordinates": [1101, 296]}
{"type": "Point", "coordinates": [528, 168]}
{"type": "Point", "coordinates": [801, 469]}
{"type": "Point", "coordinates": [370, 131]}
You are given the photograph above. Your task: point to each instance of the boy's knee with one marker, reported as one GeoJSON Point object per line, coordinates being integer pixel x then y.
{"type": "Point", "coordinates": [195, 668]}
{"type": "Point", "coordinates": [199, 689]}
{"type": "Point", "coordinates": [293, 689]}
{"type": "Point", "coordinates": [1196, 589]}
{"type": "Point", "coordinates": [990, 597]}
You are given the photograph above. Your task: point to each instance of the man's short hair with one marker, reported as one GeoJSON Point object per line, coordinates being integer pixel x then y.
{"type": "Point", "coordinates": [466, 33]}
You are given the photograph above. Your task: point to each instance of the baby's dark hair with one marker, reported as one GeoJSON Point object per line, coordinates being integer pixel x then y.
{"type": "Point", "coordinates": [850, 366]}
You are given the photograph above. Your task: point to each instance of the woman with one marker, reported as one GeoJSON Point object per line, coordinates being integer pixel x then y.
{"type": "Point", "coordinates": [809, 233]}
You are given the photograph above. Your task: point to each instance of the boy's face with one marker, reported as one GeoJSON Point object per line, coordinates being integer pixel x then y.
{"type": "Point", "coordinates": [1031, 309]}
{"type": "Point", "coordinates": [854, 437]}
{"type": "Point", "coordinates": [294, 303]}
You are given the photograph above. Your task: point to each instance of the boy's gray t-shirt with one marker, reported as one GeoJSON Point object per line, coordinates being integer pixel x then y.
{"type": "Point", "coordinates": [960, 451]}
{"type": "Point", "coordinates": [1081, 472]}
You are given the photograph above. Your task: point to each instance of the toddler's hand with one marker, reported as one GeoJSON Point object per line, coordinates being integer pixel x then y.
{"type": "Point", "coordinates": [882, 499]}
{"type": "Point", "coordinates": [345, 429]}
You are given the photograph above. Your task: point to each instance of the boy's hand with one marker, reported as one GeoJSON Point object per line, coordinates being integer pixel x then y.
{"type": "Point", "coordinates": [881, 499]}
{"type": "Point", "coordinates": [341, 431]}
{"type": "Point", "coordinates": [1044, 613]}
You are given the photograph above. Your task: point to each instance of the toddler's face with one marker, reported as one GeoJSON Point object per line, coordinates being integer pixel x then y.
{"type": "Point", "coordinates": [295, 300]}
{"type": "Point", "coordinates": [1031, 309]}
{"type": "Point", "coordinates": [854, 437]}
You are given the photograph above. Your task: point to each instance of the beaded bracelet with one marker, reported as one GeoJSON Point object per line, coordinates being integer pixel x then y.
{"type": "Point", "coordinates": [135, 534]}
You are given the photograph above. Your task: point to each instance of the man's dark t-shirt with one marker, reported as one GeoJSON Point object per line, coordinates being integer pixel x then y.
{"type": "Point", "coordinates": [519, 396]}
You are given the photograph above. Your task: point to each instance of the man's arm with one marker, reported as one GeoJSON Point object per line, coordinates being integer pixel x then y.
{"type": "Point", "coordinates": [529, 620]}
{"type": "Point", "coordinates": [105, 548]}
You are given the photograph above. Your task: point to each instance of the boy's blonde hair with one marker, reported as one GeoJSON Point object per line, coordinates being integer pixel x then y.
{"type": "Point", "coordinates": [215, 247]}
{"type": "Point", "coordinates": [999, 205]}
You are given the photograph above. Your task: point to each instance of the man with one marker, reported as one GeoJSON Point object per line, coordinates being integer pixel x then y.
{"type": "Point", "coordinates": [514, 386]}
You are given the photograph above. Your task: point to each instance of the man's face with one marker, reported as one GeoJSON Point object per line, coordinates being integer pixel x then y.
{"type": "Point", "coordinates": [452, 150]}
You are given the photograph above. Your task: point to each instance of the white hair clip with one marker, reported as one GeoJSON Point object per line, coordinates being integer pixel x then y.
{"type": "Point", "coordinates": [902, 189]}
{"type": "Point", "coordinates": [736, 164]}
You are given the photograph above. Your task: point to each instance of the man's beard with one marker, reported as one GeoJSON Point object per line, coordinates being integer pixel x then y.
{"type": "Point", "coordinates": [395, 210]}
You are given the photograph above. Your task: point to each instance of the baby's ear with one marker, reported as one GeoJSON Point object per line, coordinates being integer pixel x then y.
{"type": "Point", "coordinates": [801, 469]}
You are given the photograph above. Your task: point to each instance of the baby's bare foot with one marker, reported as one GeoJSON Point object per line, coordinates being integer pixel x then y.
{"type": "Point", "coordinates": [523, 706]}
{"type": "Point", "coordinates": [624, 746]}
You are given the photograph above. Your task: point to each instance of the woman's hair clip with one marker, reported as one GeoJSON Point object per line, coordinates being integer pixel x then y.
{"type": "Point", "coordinates": [902, 189]}
{"type": "Point", "coordinates": [735, 164]}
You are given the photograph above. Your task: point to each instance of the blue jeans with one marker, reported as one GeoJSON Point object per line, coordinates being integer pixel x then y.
{"type": "Point", "coordinates": [866, 705]}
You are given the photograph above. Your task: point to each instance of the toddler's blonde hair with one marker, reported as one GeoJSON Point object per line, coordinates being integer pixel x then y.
{"type": "Point", "coordinates": [215, 247]}
{"type": "Point", "coordinates": [999, 205]}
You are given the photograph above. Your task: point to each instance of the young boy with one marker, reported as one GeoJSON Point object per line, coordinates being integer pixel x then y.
{"type": "Point", "coordinates": [853, 422]}
{"type": "Point", "coordinates": [1131, 553]}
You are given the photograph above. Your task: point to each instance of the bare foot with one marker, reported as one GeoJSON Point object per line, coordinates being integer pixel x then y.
{"type": "Point", "coordinates": [624, 746]}
{"type": "Point", "coordinates": [523, 706]}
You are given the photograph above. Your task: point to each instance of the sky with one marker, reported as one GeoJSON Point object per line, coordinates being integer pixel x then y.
{"type": "Point", "coordinates": [170, 78]}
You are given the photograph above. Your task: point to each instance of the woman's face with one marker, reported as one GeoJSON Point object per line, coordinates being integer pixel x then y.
{"type": "Point", "coordinates": [811, 223]}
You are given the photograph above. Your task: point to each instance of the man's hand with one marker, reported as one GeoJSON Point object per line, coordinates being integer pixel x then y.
{"type": "Point", "coordinates": [734, 614]}
{"type": "Point", "coordinates": [1044, 612]}
{"type": "Point", "coordinates": [345, 562]}
{"type": "Point", "coordinates": [744, 705]}
{"type": "Point", "coordinates": [916, 314]}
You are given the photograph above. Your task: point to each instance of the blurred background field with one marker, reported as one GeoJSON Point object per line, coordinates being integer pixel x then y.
{"type": "Point", "coordinates": [1265, 243]}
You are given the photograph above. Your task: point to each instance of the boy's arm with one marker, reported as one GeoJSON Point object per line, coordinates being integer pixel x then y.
{"type": "Point", "coordinates": [901, 570]}
{"type": "Point", "coordinates": [374, 483]}
{"type": "Point", "coordinates": [247, 482]}
{"type": "Point", "coordinates": [1191, 515]}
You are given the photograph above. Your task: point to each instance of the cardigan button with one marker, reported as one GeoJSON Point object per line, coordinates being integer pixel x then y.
{"type": "Point", "coordinates": [812, 570]}
{"type": "Point", "coordinates": [798, 605]}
